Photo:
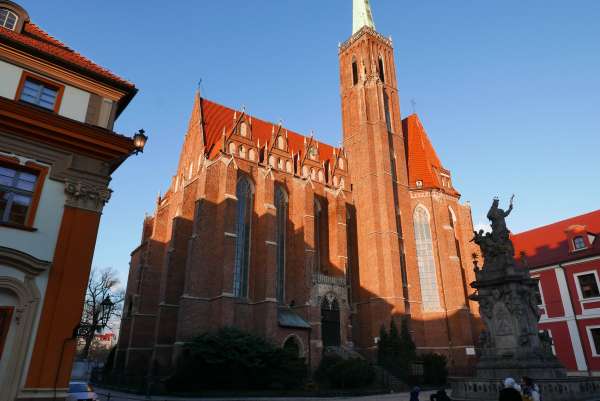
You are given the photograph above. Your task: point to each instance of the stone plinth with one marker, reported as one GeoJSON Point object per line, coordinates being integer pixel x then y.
{"type": "Point", "coordinates": [565, 389]}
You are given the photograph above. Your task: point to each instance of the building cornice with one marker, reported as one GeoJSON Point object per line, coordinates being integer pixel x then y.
{"type": "Point", "coordinates": [57, 131]}
{"type": "Point", "coordinates": [365, 30]}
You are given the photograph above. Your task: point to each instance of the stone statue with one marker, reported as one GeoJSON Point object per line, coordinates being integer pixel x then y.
{"type": "Point", "coordinates": [510, 344]}
{"type": "Point", "coordinates": [497, 216]}
{"type": "Point", "coordinates": [496, 247]}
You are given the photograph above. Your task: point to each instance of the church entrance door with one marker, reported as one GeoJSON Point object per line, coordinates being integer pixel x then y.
{"type": "Point", "coordinates": [330, 322]}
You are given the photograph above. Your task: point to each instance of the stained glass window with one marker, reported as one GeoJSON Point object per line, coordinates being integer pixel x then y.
{"type": "Point", "coordinates": [281, 204]}
{"type": "Point", "coordinates": [425, 261]}
{"type": "Point", "coordinates": [244, 195]}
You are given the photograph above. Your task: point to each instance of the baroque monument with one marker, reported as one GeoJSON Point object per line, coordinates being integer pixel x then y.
{"type": "Point", "coordinates": [511, 344]}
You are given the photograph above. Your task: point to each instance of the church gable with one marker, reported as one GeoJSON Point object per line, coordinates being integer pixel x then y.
{"type": "Point", "coordinates": [425, 170]}
{"type": "Point", "coordinates": [230, 131]}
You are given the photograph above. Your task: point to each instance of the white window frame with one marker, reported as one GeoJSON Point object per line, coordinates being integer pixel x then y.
{"type": "Point", "coordinates": [551, 338]}
{"type": "Point", "coordinates": [9, 12]}
{"type": "Point", "coordinates": [589, 329]}
{"type": "Point", "coordinates": [543, 304]}
{"type": "Point", "coordinates": [579, 292]}
{"type": "Point", "coordinates": [584, 247]}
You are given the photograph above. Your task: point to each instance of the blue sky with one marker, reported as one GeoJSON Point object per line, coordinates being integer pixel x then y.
{"type": "Point", "coordinates": [509, 91]}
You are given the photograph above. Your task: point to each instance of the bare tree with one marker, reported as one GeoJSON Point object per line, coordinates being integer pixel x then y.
{"type": "Point", "coordinates": [103, 283]}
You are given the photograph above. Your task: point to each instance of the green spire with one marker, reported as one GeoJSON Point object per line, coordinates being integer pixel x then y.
{"type": "Point", "coordinates": [361, 15]}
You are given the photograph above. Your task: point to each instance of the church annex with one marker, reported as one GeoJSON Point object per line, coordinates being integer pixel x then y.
{"type": "Point", "coordinates": [304, 243]}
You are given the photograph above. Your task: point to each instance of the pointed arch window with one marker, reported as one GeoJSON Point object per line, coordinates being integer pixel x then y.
{"type": "Point", "coordinates": [281, 206]}
{"type": "Point", "coordinates": [354, 72]}
{"type": "Point", "coordinates": [381, 70]}
{"type": "Point", "coordinates": [245, 194]}
{"type": "Point", "coordinates": [317, 236]}
{"type": "Point", "coordinates": [425, 260]}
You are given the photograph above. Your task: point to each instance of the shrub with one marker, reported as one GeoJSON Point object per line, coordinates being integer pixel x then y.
{"type": "Point", "coordinates": [435, 370]}
{"type": "Point", "coordinates": [234, 360]}
{"type": "Point", "coordinates": [336, 372]}
{"type": "Point", "coordinates": [396, 351]}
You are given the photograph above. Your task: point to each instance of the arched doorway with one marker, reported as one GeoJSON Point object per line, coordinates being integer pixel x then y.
{"type": "Point", "coordinates": [293, 346]}
{"type": "Point", "coordinates": [330, 321]}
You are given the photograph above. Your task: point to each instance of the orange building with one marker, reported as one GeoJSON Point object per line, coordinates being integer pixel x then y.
{"type": "Point", "coordinates": [309, 245]}
{"type": "Point", "coordinates": [57, 153]}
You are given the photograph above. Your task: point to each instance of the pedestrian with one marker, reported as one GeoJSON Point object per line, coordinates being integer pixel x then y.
{"type": "Point", "coordinates": [530, 390]}
{"type": "Point", "coordinates": [440, 396]}
{"type": "Point", "coordinates": [511, 391]}
{"type": "Point", "coordinates": [414, 394]}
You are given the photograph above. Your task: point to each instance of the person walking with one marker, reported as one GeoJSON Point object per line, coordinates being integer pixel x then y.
{"type": "Point", "coordinates": [530, 390]}
{"type": "Point", "coordinates": [414, 394]}
{"type": "Point", "coordinates": [511, 391]}
{"type": "Point", "coordinates": [440, 396]}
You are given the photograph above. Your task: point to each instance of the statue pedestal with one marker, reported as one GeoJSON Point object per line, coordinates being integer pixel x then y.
{"type": "Point", "coordinates": [511, 345]}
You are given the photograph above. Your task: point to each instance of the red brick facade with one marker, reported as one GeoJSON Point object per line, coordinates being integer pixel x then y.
{"type": "Point", "coordinates": [348, 246]}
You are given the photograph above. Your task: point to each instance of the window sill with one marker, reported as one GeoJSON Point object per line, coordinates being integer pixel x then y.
{"type": "Point", "coordinates": [17, 226]}
{"type": "Point", "coordinates": [589, 300]}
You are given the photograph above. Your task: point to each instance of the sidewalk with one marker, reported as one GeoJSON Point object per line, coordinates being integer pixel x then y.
{"type": "Point", "coordinates": [118, 396]}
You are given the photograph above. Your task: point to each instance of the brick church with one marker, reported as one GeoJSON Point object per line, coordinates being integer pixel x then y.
{"type": "Point", "coordinates": [306, 244]}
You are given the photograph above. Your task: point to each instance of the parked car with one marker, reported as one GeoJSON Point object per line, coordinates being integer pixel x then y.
{"type": "Point", "coordinates": [81, 391]}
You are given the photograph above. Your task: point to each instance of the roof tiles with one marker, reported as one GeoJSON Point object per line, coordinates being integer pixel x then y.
{"type": "Point", "coordinates": [35, 38]}
{"type": "Point", "coordinates": [547, 245]}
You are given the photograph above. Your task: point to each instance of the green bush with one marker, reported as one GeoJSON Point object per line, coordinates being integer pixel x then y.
{"type": "Point", "coordinates": [336, 372]}
{"type": "Point", "coordinates": [396, 351]}
{"type": "Point", "coordinates": [435, 370]}
{"type": "Point", "coordinates": [234, 360]}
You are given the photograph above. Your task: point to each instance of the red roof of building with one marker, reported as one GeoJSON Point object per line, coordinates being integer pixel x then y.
{"type": "Point", "coordinates": [548, 245]}
{"type": "Point", "coordinates": [216, 117]}
{"type": "Point", "coordinates": [423, 162]}
{"type": "Point", "coordinates": [37, 40]}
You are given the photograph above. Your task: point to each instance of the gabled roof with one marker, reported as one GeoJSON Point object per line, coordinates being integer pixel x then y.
{"type": "Point", "coordinates": [422, 159]}
{"type": "Point", "coordinates": [548, 245]}
{"type": "Point", "coordinates": [34, 40]}
{"type": "Point", "coordinates": [216, 117]}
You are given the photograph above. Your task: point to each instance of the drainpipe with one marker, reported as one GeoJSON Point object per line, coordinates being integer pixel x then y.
{"type": "Point", "coordinates": [585, 357]}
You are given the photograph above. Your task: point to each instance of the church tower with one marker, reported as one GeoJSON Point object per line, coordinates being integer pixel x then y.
{"type": "Point", "coordinates": [373, 139]}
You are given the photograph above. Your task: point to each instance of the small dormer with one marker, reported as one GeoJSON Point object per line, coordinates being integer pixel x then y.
{"type": "Point", "coordinates": [579, 238]}
{"type": "Point", "coordinates": [12, 16]}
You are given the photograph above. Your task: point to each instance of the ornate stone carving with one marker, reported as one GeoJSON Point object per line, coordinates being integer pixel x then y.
{"type": "Point", "coordinates": [510, 344]}
{"type": "Point", "coordinates": [85, 196]}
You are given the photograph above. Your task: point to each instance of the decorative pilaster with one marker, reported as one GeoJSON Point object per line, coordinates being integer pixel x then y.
{"type": "Point", "coordinates": [82, 195]}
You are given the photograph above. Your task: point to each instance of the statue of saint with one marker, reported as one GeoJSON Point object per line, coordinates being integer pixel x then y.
{"type": "Point", "coordinates": [497, 217]}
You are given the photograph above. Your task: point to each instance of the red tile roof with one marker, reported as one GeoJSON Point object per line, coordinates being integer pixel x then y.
{"type": "Point", "coordinates": [35, 39]}
{"type": "Point", "coordinates": [216, 117]}
{"type": "Point", "coordinates": [547, 245]}
{"type": "Point", "coordinates": [421, 157]}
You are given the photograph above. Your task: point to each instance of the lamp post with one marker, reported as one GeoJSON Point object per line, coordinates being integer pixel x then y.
{"type": "Point", "coordinates": [99, 320]}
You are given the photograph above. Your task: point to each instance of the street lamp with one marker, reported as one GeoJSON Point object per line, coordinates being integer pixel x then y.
{"type": "Point", "coordinates": [139, 141]}
{"type": "Point", "coordinates": [85, 329]}
{"type": "Point", "coordinates": [105, 312]}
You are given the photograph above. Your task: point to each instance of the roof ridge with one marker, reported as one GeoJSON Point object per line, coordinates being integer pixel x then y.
{"type": "Point", "coordinates": [556, 223]}
{"type": "Point", "coordinates": [289, 130]}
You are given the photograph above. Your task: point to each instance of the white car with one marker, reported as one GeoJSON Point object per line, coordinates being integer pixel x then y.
{"type": "Point", "coordinates": [81, 391]}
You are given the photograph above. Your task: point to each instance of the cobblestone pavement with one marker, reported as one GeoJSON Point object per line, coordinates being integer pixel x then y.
{"type": "Point", "coordinates": [118, 396]}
